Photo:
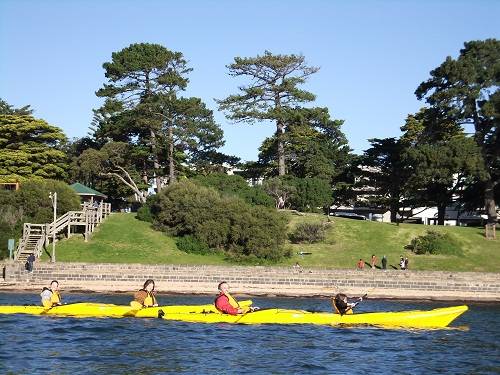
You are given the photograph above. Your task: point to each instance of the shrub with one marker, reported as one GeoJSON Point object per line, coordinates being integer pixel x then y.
{"type": "Point", "coordinates": [144, 212]}
{"type": "Point", "coordinates": [435, 243]}
{"type": "Point", "coordinates": [192, 245]}
{"type": "Point", "coordinates": [308, 232]}
{"type": "Point", "coordinates": [234, 185]}
{"type": "Point", "coordinates": [220, 222]}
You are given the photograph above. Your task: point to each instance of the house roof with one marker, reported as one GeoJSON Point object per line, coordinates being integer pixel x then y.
{"type": "Point", "coordinates": [85, 190]}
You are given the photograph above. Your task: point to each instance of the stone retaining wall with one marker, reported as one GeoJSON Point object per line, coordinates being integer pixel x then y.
{"type": "Point", "coordinates": [467, 286]}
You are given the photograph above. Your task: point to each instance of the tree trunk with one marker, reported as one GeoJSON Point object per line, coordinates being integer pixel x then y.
{"type": "Point", "coordinates": [280, 127]}
{"type": "Point", "coordinates": [156, 163]}
{"type": "Point", "coordinates": [441, 213]}
{"type": "Point", "coordinates": [394, 208]}
{"type": "Point", "coordinates": [171, 164]}
{"type": "Point", "coordinates": [281, 148]}
{"type": "Point", "coordinates": [489, 196]}
{"type": "Point", "coordinates": [489, 201]}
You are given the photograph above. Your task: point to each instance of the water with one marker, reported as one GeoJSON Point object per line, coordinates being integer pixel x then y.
{"type": "Point", "coordinates": [52, 345]}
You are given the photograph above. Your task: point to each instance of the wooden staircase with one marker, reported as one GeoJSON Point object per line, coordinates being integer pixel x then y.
{"type": "Point", "coordinates": [36, 236]}
{"type": "Point", "coordinates": [32, 242]}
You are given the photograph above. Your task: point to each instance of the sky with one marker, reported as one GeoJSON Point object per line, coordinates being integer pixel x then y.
{"type": "Point", "coordinates": [372, 54]}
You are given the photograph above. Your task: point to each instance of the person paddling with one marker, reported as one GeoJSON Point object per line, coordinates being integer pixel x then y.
{"type": "Point", "coordinates": [51, 296]}
{"type": "Point", "coordinates": [341, 305]}
{"type": "Point", "coordinates": [225, 303]}
{"type": "Point", "coordinates": [145, 297]}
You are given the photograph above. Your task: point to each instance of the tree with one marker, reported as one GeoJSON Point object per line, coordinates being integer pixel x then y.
{"type": "Point", "coordinates": [7, 109]}
{"type": "Point", "coordinates": [273, 90]}
{"type": "Point", "coordinates": [314, 144]}
{"type": "Point", "coordinates": [442, 170]}
{"type": "Point", "coordinates": [386, 171]}
{"type": "Point", "coordinates": [443, 159]}
{"type": "Point", "coordinates": [136, 74]}
{"type": "Point", "coordinates": [189, 130]}
{"type": "Point", "coordinates": [30, 148]}
{"type": "Point", "coordinates": [280, 190]}
{"type": "Point", "coordinates": [466, 90]}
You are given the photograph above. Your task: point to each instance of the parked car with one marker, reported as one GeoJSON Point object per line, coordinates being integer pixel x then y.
{"type": "Point", "coordinates": [349, 215]}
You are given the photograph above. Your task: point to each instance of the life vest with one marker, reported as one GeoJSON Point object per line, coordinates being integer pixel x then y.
{"type": "Point", "coordinates": [232, 302]}
{"type": "Point", "coordinates": [55, 298]}
{"type": "Point", "coordinates": [148, 301]}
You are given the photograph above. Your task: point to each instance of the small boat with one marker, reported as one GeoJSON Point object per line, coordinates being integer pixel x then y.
{"type": "Point", "coordinates": [103, 310]}
{"type": "Point", "coordinates": [436, 318]}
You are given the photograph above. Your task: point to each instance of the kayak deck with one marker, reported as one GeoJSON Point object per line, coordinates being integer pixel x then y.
{"type": "Point", "coordinates": [88, 309]}
{"type": "Point", "coordinates": [436, 318]}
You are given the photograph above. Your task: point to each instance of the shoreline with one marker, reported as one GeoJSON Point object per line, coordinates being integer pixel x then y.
{"type": "Point", "coordinates": [256, 281]}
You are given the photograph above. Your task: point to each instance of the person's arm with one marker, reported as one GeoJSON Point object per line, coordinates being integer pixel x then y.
{"type": "Point", "coordinates": [140, 296]}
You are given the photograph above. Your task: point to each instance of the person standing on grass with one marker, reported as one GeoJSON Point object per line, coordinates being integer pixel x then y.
{"type": "Point", "coordinates": [384, 262]}
{"type": "Point", "coordinates": [373, 261]}
{"type": "Point", "coordinates": [401, 262]}
{"type": "Point", "coordinates": [360, 265]}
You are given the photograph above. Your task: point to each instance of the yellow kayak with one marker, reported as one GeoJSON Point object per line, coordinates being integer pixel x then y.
{"type": "Point", "coordinates": [103, 310]}
{"type": "Point", "coordinates": [436, 318]}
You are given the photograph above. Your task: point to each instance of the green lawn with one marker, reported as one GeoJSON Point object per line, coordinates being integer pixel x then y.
{"type": "Point", "coordinates": [123, 239]}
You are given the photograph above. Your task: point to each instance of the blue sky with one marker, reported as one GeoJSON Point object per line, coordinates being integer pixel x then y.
{"type": "Point", "coordinates": [372, 54]}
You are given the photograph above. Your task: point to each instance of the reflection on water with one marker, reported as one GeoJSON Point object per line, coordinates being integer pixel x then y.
{"type": "Point", "coordinates": [52, 345]}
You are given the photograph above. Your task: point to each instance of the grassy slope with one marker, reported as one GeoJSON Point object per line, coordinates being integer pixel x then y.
{"type": "Point", "coordinates": [123, 239]}
{"type": "Point", "coordinates": [348, 240]}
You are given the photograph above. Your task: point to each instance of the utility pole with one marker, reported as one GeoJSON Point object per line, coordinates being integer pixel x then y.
{"type": "Point", "coordinates": [53, 198]}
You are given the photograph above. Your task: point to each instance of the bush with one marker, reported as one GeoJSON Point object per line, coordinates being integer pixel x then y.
{"type": "Point", "coordinates": [234, 185]}
{"type": "Point", "coordinates": [144, 212]}
{"type": "Point", "coordinates": [192, 245]}
{"type": "Point", "coordinates": [435, 243]}
{"type": "Point", "coordinates": [225, 223]}
{"type": "Point", "coordinates": [308, 232]}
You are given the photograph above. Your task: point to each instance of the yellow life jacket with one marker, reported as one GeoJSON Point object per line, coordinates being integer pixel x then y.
{"type": "Point", "coordinates": [235, 303]}
{"type": "Point", "coordinates": [139, 303]}
{"type": "Point", "coordinates": [55, 298]}
{"type": "Point", "coordinates": [150, 300]}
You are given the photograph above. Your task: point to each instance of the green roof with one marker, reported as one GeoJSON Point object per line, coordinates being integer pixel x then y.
{"type": "Point", "coordinates": [85, 190]}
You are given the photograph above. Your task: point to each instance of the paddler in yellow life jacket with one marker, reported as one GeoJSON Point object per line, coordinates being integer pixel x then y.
{"type": "Point", "coordinates": [226, 304]}
{"type": "Point", "coordinates": [50, 296]}
{"type": "Point", "coordinates": [341, 305]}
{"type": "Point", "coordinates": [145, 297]}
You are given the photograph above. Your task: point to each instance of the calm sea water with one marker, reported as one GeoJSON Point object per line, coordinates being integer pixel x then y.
{"type": "Point", "coordinates": [52, 345]}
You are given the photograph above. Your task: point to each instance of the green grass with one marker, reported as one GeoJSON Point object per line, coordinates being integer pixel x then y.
{"type": "Point", "coordinates": [123, 239]}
